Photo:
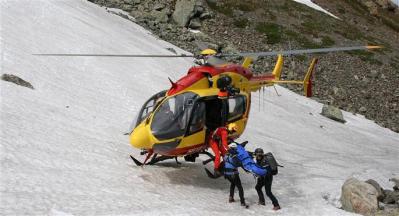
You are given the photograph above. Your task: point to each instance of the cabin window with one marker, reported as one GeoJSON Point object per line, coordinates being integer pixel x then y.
{"type": "Point", "coordinates": [198, 118]}
{"type": "Point", "coordinates": [236, 107]}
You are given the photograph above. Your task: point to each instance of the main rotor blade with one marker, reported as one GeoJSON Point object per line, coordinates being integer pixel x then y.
{"type": "Point", "coordinates": [303, 51]}
{"type": "Point", "coordinates": [117, 55]}
{"type": "Point", "coordinates": [254, 54]}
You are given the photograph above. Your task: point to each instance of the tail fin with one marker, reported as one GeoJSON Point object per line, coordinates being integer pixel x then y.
{"type": "Point", "coordinates": [278, 68]}
{"type": "Point", "coordinates": [307, 82]}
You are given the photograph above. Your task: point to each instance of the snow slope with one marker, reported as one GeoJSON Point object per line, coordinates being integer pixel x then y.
{"type": "Point", "coordinates": [63, 151]}
{"type": "Point", "coordinates": [315, 6]}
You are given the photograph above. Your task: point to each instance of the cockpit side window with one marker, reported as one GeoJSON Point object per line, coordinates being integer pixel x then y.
{"type": "Point", "coordinates": [236, 107]}
{"type": "Point", "coordinates": [149, 106]}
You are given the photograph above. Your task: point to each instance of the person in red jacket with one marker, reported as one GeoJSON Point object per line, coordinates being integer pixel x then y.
{"type": "Point", "coordinates": [219, 143]}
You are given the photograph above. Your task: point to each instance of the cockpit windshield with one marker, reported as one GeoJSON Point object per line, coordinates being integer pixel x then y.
{"type": "Point", "coordinates": [173, 115]}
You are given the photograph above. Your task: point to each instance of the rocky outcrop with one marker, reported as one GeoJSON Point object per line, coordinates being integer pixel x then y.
{"type": "Point", "coordinates": [391, 197]}
{"type": "Point", "coordinates": [359, 197]}
{"type": "Point", "coordinates": [333, 113]}
{"type": "Point", "coordinates": [16, 80]}
{"type": "Point", "coordinates": [364, 198]}
{"type": "Point", "coordinates": [184, 9]}
{"type": "Point", "coordinates": [380, 192]}
{"type": "Point", "coordinates": [375, 5]}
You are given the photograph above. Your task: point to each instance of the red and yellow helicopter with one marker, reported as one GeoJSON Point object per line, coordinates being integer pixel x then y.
{"type": "Point", "coordinates": [177, 121]}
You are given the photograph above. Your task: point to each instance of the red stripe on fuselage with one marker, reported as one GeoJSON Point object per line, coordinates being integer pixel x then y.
{"type": "Point", "coordinates": [197, 73]}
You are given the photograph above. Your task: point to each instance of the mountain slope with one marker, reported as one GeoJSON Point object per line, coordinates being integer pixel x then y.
{"type": "Point", "coordinates": [62, 145]}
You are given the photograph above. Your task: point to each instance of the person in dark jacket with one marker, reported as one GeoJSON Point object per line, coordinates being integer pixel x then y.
{"type": "Point", "coordinates": [231, 164]}
{"type": "Point", "coordinates": [265, 181]}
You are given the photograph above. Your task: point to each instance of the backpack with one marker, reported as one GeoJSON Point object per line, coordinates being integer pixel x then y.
{"type": "Point", "coordinates": [272, 163]}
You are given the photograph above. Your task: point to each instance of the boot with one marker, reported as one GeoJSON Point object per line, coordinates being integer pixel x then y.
{"type": "Point", "coordinates": [231, 199]}
{"type": "Point", "coordinates": [243, 204]}
{"type": "Point", "coordinates": [276, 208]}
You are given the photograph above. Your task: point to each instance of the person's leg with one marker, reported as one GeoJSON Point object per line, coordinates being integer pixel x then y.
{"type": "Point", "coordinates": [237, 181]}
{"type": "Point", "coordinates": [260, 182]}
{"type": "Point", "coordinates": [216, 152]}
{"type": "Point", "coordinates": [268, 188]}
{"type": "Point", "coordinates": [232, 187]}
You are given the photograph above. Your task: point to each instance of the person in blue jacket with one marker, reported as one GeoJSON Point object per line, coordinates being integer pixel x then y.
{"type": "Point", "coordinates": [231, 164]}
{"type": "Point", "coordinates": [238, 157]}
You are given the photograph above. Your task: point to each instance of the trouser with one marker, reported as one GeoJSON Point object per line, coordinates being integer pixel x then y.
{"type": "Point", "coordinates": [235, 181]}
{"type": "Point", "coordinates": [267, 182]}
{"type": "Point", "coordinates": [218, 152]}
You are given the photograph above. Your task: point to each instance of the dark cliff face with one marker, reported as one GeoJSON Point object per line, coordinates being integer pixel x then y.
{"type": "Point", "coordinates": [360, 82]}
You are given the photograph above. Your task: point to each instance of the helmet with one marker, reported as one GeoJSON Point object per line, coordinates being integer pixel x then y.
{"type": "Point", "coordinates": [208, 52]}
{"type": "Point", "coordinates": [233, 145]}
{"type": "Point", "coordinates": [232, 127]}
{"type": "Point", "coordinates": [258, 151]}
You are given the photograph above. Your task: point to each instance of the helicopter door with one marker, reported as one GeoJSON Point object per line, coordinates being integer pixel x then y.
{"type": "Point", "coordinates": [194, 139]}
{"type": "Point", "coordinates": [197, 122]}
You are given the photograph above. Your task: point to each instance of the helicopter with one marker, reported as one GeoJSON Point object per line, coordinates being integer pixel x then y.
{"type": "Point", "coordinates": [176, 122]}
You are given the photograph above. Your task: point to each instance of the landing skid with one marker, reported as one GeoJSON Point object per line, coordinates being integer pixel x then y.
{"type": "Point", "coordinates": [155, 159]}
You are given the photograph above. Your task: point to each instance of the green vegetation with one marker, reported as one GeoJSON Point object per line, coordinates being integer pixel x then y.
{"type": "Point", "coordinates": [227, 7]}
{"type": "Point", "coordinates": [273, 31]}
{"type": "Point", "coordinates": [366, 56]}
{"type": "Point", "coordinates": [391, 24]}
{"type": "Point", "coordinates": [341, 9]}
{"type": "Point", "coordinates": [224, 9]}
{"type": "Point", "coordinates": [241, 23]}
{"type": "Point", "coordinates": [327, 41]}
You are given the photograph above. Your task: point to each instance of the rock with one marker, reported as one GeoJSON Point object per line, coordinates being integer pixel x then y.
{"type": "Point", "coordinates": [380, 195]}
{"type": "Point", "coordinates": [160, 16]}
{"type": "Point", "coordinates": [374, 74]}
{"type": "Point", "coordinates": [172, 50]}
{"type": "Point", "coordinates": [359, 197]}
{"type": "Point", "coordinates": [363, 109]}
{"type": "Point", "coordinates": [183, 9]}
{"type": "Point", "coordinates": [333, 113]}
{"type": "Point", "coordinates": [391, 197]}
{"type": "Point", "coordinates": [396, 182]}
{"type": "Point", "coordinates": [16, 80]}
{"type": "Point", "coordinates": [372, 7]}
{"type": "Point", "coordinates": [205, 15]}
{"type": "Point", "coordinates": [387, 5]}
{"type": "Point", "coordinates": [159, 6]}
{"type": "Point", "coordinates": [195, 23]}
{"type": "Point", "coordinates": [389, 210]}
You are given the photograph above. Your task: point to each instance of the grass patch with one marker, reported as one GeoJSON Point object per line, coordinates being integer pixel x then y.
{"type": "Point", "coordinates": [302, 40]}
{"type": "Point", "coordinates": [366, 56]}
{"type": "Point", "coordinates": [221, 8]}
{"type": "Point", "coordinates": [393, 25]}
{"type": "Point", "coordinates": [241, 23]}
{"type": "Point", "coordinates": [327, 41]}
{"type": "Point", "coordinates": [341, 9]}
{"type": "Point", "coordinates": [273, 32]}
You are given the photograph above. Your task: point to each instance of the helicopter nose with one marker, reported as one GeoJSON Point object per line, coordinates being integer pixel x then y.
{"type": "Point", "coordinates": [140, 138]}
